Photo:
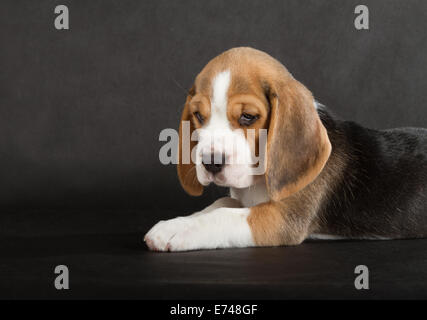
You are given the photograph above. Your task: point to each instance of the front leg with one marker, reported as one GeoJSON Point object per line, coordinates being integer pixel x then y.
{"type": "Point", "coordinates": [158, 237]}
{"type": "Point", "coordinates": [267, 224]}
{"type": "Point", "coordinates": [220, 228]}
{"type": "Point", "coordinates": [225, 202]}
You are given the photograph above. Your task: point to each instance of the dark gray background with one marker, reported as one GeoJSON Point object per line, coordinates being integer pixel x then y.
{"type": "Point", "coordinates": [80, 115]}
{"type": "Point", "coordinates": [81, 109]}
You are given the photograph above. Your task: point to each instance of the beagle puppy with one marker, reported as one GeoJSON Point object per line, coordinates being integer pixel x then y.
{"type": "Point", "coordinates": [324, 178]}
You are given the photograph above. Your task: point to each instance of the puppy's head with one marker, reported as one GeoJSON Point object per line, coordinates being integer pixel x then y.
{"type": "Point", "coordinates": [236, 94]}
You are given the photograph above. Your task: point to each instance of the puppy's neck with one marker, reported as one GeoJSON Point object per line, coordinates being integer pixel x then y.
{"type": "Point", "coordinates": [253, 195]}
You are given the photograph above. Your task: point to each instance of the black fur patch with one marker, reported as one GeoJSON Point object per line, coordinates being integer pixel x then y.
{"type": "Point", "coordinates": [383, 190]}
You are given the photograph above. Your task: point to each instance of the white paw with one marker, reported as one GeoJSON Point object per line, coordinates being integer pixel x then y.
{"type": "Point", "coordinates": [221, 228]}
{"type": "Point", "coordinates": [170, 235]}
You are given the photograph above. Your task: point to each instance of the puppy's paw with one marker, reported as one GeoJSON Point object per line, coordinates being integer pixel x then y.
{"type": "Point", "coordinates": [161, 236]}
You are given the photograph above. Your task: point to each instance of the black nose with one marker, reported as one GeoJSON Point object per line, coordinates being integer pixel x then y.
{"type": "Point", "coordinates": [213, 162]}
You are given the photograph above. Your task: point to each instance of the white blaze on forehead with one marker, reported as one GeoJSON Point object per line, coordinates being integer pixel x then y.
{"type": "Point", "coordinates": [220, 86]}
{"type": "Point", "coordinates": [218, 137]}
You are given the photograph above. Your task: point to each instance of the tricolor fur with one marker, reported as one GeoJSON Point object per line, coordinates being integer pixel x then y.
{"type": "Point", "coordinates": [325, 178]}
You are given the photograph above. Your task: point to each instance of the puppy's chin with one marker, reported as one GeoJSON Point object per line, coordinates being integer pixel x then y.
{"type": "Point", "coordinates": [238, 185]}
{"type": "Point", "coordinates": [222, 180]}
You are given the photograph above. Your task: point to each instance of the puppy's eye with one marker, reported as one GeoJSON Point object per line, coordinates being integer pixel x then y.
{"type": "Point", "coordinates": [247, 119]}
{"type": "Point", "coordinates": [199, 117]}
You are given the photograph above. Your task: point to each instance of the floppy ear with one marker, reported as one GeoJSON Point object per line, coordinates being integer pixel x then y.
{"type": "Point", "coordinates": [187, 171]}
{"type": "Point", "coordinates": [298, 146]}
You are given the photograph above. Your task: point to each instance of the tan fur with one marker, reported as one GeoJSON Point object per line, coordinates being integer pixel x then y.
{"type": "Point", "coordinates": [291, 220]}
{"type": "Point", "coordinates": [187, 172]}
{"type": "Point", "coordinates": [298, 145]}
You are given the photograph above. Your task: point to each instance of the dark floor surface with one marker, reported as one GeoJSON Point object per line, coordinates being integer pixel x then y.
{"type": "Point", "coordinates": [106, 259]}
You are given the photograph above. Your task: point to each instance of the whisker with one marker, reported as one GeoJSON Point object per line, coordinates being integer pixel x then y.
{"type": "Point", "coordinates": [179, 86]}
{"type": "Point", "coordinates": [188, 172]}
